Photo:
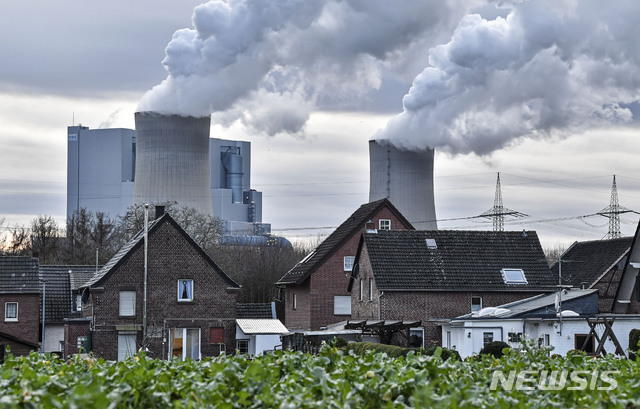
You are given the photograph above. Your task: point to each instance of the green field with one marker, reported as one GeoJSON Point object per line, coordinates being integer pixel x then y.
{"type": "Point", "coordinates": [331, 379]}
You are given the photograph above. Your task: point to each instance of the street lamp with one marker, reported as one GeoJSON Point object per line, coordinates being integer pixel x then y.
{"type": "Point", "coordinates": [44, 292]}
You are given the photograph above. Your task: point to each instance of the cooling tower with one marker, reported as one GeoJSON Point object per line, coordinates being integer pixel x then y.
{"type": "Point", "coordinates": [172, 161]}
{"type": "Point", "coordinates": [406, 179]}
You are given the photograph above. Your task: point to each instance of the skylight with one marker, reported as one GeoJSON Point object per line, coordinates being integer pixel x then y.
{"type": "Point", "coordinates": [431, 244]}
{"type": "Point", "coordinates": [513, 276]}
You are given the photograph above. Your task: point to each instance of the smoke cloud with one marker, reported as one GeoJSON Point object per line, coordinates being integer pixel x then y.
{"type": "Point", "coordinates": [546, 68]}
{"type": "Point", "coordinates": [480, 75]}
{"type": "Point", "coordinates": [269, 64]}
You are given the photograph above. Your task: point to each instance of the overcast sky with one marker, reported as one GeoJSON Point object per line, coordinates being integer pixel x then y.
{"type": "Point", "coordinates": [544, 92]}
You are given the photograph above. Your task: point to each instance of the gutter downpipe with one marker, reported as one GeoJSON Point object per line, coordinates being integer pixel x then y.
{"type": "Point", "coordinates": [146, 254]}
{"type": "Point", "coordinates": [380, 296]}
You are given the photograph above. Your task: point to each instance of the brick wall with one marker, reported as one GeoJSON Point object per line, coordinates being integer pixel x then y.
{"type": "Point", "coordinates": [72, 330]}
{"type": "Point", "coordinates": [300, 317]}
{"type": "Point", "coordinates": [315, 297]}
{"type": "Point", "coordinates": [28, 325]}
{"type": "Point", "coordinates": [170, 258]}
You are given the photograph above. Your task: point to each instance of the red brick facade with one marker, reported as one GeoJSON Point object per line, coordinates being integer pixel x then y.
{"type": "Point", "coordinates": [27, 327]}
{"type": "Point", "coordinates": [315, 295]}
{"type": "Point", "coordinates": [171, 257]}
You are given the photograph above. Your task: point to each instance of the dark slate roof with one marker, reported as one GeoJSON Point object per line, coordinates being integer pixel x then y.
{"type": "Point", "coordinates": [585, 262]}
{"type": "Point", "coordinates": [138, 240]}
{"type": "Point", "coordinates": [19, 275]}
{"type": "Point", "coordinates": [462, 261]}
{"type": "Point", "coordinates": [354, 224]}
{"type": "Point", "coordinates": [255, 310]}
{"type": "Point", "coordinates": [57, 294]}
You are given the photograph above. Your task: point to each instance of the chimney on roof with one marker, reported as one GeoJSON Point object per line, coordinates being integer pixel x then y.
{"type": "Point", "coordinates": [159, 211]}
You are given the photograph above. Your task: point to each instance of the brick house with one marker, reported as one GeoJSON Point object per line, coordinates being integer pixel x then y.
{"type": "Point", "coordinates": [315, 288]}
{"type": "Point", "coordinates": [599, 264]}
{"type": "Point", "coordinates": [191, 302]}
{"type": "Point", "coordinates": [20, 292]}
{"type": "Point", "coordinates": [433, 276]}
{"type": "Point", "coordinates": [62, 302]}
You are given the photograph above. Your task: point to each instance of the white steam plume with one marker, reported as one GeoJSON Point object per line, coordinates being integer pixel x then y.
{"type": "Point", "coordinates": [269, 64]}
{"type": "Point", "coordinates": [547, 68]}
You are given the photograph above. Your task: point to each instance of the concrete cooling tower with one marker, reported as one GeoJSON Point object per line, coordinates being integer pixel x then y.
{"type": "Point", "coordinates": [406, 179]}
{"type": "Point", "coordinates": [172, 161]}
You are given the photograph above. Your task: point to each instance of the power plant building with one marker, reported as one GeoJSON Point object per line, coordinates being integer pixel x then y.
{"type": "Point", "coordinates": [405, 177]}
{"type": "Point", "coordinates": [101, 173]}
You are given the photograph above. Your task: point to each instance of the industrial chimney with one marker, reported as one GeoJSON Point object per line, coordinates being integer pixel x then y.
{"type": "Point", "coordinates": [172, 161]}
{"type": "Point", "coordinates": [405, 178]}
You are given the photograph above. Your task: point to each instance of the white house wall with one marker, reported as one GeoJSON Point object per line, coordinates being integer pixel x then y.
{"type": "Point", "coordinates": [53, 336]}
{"type": "Point", "coordinates": [562, 343]}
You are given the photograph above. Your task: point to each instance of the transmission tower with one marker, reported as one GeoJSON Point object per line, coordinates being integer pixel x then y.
{"type": "Point", "coordinates": [498, 211]}
{"type": "Point", "coordinates": [613, 212]}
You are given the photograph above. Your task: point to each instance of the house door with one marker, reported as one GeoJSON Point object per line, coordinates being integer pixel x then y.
{"type": "Point", "coordinates": [126, 345]}
{"type": "Point", "coordinates": [185, 343]}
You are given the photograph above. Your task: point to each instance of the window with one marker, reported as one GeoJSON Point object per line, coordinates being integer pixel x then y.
{"type": "Point", "coordinates": [77, 302]}
{"type": "Point", "coordinates": [515, 336]}
{"type": "Point", "coordinates": [513, 276]}
{"type": "Point", "coordinates": [476, 304]}
{"type": "Point", "coordinates": [341, 305]}
{"type": "Point", "coordinates": [11, 311]}
{"type": "Point", "coordinates": [449, 339]}
{"type": "Point", "coordinates": [384, 224]}
{"type": "Point", "coordinates": [487, 337]}
{"type": "Point", "coordinates": [126, 345]}
{"type": "Point", "coordinates": [80, 343]}
{"type": "Point", "coordinates": [185, 290]}
{"type": "Point", "coordinates": [242, 345]}
{"type": "Point", "coordinates": [216, 335]}
{"type": "Point", "coordinates": [638, 287]}
{"type": "Point", "coordinates": [127, 303]}
{"type": "Point", "coordinates": [185, 343]}
{"type": "Point", "coordinates": [371, 289]}
{"type": "Point", "coordinates": [431, 244]}
{"type": "Point", "coordinates": [348, 263]}
{"type": "Point", "coordinates": [295, 301]}
{"type": "Point", "coordinates": [580, 343]}
{"type": "Point", "coordinates": [361, 286]}
{"type": "Point", "coordinates": [416, 337]}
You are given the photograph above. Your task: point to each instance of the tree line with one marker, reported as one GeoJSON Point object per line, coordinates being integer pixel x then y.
{"type": "Point", "coordinates": [92, 238]}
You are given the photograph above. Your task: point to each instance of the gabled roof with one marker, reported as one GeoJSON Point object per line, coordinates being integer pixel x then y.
{"type": "Point", "coordinates": [57, 293]}
{"type": "Point", "coordinates": [455, 260]}
{"type": "Point", "coordinates": [255, 310]}
{"type": "Point", "coordinates": [354, 224]}
{"type": "Point", "coordinates": [261, 326]}
{"type": "Point", "coordinates": [138, 240]}
{"type": "Point", "coordinates": [19, 275]}
{"type": "Point", "coordinates": [584, 302]}
{"type": "Point", "coordinates": [584, 263]}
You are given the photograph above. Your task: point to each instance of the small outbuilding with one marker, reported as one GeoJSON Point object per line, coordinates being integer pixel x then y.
{"type": "Point", "coordinates": [256, 336]}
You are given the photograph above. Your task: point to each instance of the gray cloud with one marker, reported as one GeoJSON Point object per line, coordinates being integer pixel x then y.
{"type": "Point", "coordinates": [301, 53]}
{"type": "Point", "coordinates": [547, 68]}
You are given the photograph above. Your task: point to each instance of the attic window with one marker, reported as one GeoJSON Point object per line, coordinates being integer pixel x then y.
{"type": "Point", "coordinates": [431, 244]}
{"type": "Point", "coordinates": [513, 276]}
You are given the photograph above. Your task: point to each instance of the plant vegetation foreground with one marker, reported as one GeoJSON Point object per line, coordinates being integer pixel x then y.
{"type": "Point", "coordinates": [334, 378]}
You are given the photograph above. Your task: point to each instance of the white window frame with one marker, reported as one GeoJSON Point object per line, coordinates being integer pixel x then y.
{"type": "Point", "coordinates": [127, 303]}
{"type": "Point", "coordinates": [361, 290]}
{"type": "Point", "coordinates": [472, 298]}
{"type": "Point", "coordinates": [80, 341]}
{"type": "Point", "coordinates": [128, 340]}
{"type": "Point", "coordinates": [508, 277]}
{"type": "Point", "coordinates": [348, 263]}
{"type": "Point", "coordinates": [384, 224]}
{"type": "Point", "coordinates": [190, 285]}
{"type": "Point", "coordinates": [6, 312]}
{"type": "Point", "coordinates": [184, 332]}
{"type": "Point", "coordinates": [341, 305]}
{"type": "Point", "coordinates": [371, 289]}
{"type": "Point", "coordinates": [295, 302]}
{"type": "Point", "coordinates": [485, 336]}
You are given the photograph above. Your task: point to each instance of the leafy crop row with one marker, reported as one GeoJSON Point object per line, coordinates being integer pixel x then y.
{"type": "Point", "coordinates": [331, 379]}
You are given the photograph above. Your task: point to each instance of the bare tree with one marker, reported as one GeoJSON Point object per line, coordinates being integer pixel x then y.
{"type": "Point", "coordinates": [45, 239]}
{"type": "Point", "coordinates": [18, 245]}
